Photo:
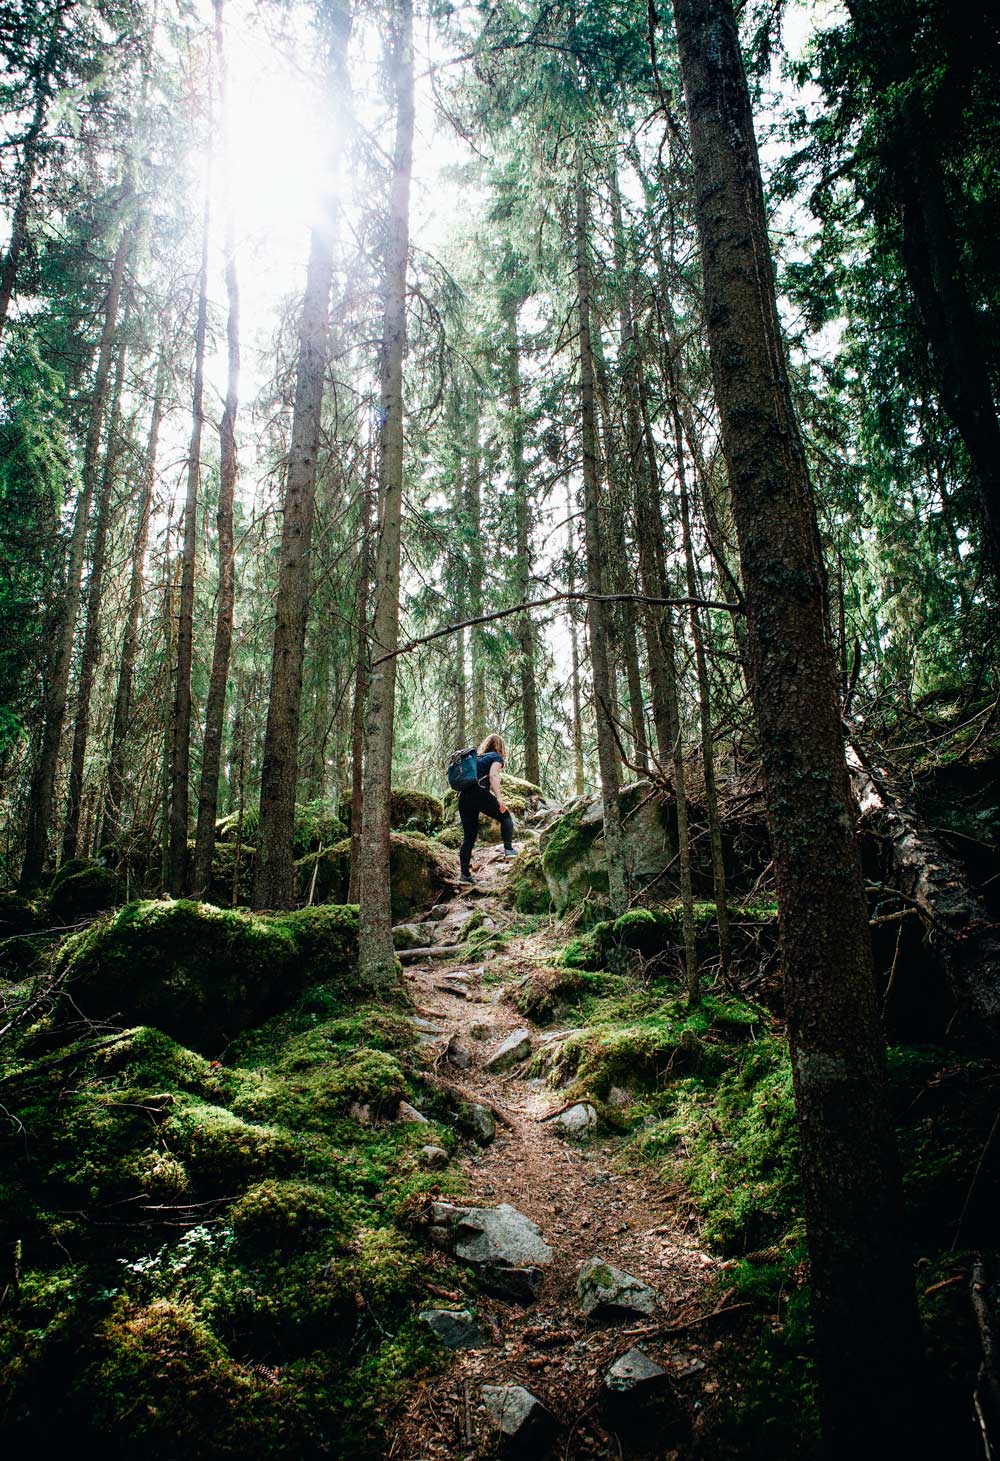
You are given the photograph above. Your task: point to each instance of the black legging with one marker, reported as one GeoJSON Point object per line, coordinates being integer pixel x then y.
{"type": "Point", "coordinates": [470, 803]}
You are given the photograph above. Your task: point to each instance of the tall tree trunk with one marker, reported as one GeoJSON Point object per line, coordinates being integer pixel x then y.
{"type": "Point", "coordinates": [620, 580]}
{"type": "Point", "coordinates": [130, 637]}
{"type": "Point", "coordinates": [44, 778]}
{"type": "Point", "coordinates": [607, 751]}
{"type": "Point", "coordinates": [360, 688]}
{"type": "Point", "coordinates": [868, 1371]}
{"type": "Point", "coordinates": [476, 573]}
{"type": "Point", "coordinates": [91, 635]}
{"type": "Point", "coordinates": [522, 562]}
{"type": "Point", "coordinates": [377, 963]}
{"type": "Point", "coordinates": [579, 784]}
{"type": "Point", "coordinates": [274, 879]}
{"type": "Point", "coordinates": [704, 704]}
{"type": "Point", "coordinates": [215, 705]}
{"type": "Point", "coordinates": [29, 164]}
{"type": "Point", "coordinates": [180, 736]}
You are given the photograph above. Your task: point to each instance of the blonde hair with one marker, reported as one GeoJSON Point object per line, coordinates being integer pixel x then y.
{"type": "Point", "coordinates": [493, 742]}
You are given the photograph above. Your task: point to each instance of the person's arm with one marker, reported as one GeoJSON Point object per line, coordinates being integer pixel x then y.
{"type": "Point", "coordinates": [495, 784]}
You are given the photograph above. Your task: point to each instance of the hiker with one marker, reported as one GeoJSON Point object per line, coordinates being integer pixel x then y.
{"type": "Point", "coordinates": [486, 796]}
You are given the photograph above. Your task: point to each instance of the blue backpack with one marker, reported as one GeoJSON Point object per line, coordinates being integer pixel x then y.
{"type": "Point", "coordinates": [462, 769]}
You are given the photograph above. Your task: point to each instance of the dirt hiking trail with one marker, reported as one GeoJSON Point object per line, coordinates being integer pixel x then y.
{"type": "Point", "coordinates": [587, 1204]}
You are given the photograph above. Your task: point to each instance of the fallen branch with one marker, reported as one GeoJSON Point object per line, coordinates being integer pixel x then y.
{"type": "Point", "coordinates": [684, 1324]}
{"type": "Point", "coordinates": [459, 1093]}
{"type": "Point", "coordinates": [565, 597]}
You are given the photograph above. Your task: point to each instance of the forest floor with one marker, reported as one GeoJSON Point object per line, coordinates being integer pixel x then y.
{"type": "Point", "coordinates": [587, 1201]}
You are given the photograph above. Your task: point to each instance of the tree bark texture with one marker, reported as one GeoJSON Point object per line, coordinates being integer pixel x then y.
{"type": "Point", "coordinates": [130, 636]}
{"type": "Point", "coordinates": [360, 690]}
{"type": "Point", "coordinates": [868, 1366]}
{"type": "Point", "coordinates": [215, 705]}
{"type": "Point", "coordinates": [91, 650]}
{"type": "Point", "coordinates": [607, 751]}
{"type": "Point", "coordinates": [377, 961]}
{"type": "Point", "coordinates": [180, 737]}
{"type": "Point", "coordinates": [476, 573]}
{"type": "Point", "coordinates": [522, 570]}
{"type": "Point", "coordinates": [44, 778]}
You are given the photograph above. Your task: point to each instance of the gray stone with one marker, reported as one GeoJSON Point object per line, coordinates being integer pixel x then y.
{"type": "Point", "coordinates": [359, 1112]}
{"type": "Point", "coordinates": [649, 841]}
{"type": "Point", "coordinates": [459, 1055]}
{"type": "Point", "coordinates": [406, 1112]}
{"type": "Point", "coordinates": [620, 1098]}
{"type": "Point", "coordinates": [427, 1026]}
{"type": "Point", "coordinates": [477, 1121]}
{"type": "Point", "coordinates": [455, 1327]}
{"type": "Point", "coordinates": [505, 1248]}
{"type": "Point", "coordinates": [409, 936]}
{"type": "Point", "coordinates": [578, 1120]}
{"type": "Point", "coordinates": [606, 1292]}
{"type": "Point", "coordinates": [434, 1157]}
{"type": "Point", "coordinates": [638, 1397]}
{"type": "Point", "coordinates": [523, 1421]}
{"type": "Point", "coordinates": [515, 1048]}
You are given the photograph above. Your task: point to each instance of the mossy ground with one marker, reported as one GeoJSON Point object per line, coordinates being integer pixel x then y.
{"type": "Point", "coordinates": [712, 1108]}
{"type": "Point", "coordinates": [213, 1257]}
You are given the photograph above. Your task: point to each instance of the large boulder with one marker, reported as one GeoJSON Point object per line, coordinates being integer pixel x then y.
{"type": "Point", "coordinates": [415, 811]}
{"type": "Point", "coordinates": [572, 846]}
{"type": "Point", "coordinates": [523, 798]}
{"type": "Point", "coordinates": [199, 973]}
{"type": "Point", "coordinates": [80, 889]}
{"type": "Point", "coordinates": [420, 870]}
{"type": "Point", "coordinates": [526, 887]}
{"type": "Point", "coordinates": [505, 1248]}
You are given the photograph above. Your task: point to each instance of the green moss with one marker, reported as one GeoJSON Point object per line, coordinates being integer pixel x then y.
{"type": "Point", "coordinates": [318, 824]}
{"type": "Point", "coordinates": [567, 841]}
{"type": "Point", "coordinates": [278, 1217]}
{"type": "Point", "coordinates": [526, 887]}
{"type": "Point", "coordinates": [546, 993]}
{"type": "Point", "coordinates": [325, 939]}
{"type": "Point", "coordinates": [419, 871]}
{"type": "Point", "coordinates": [197, 972]}
{"type": "Point", "coordinates": [81, 889]}
{"type": "Point", "coordinates": [21, 915]}
{"type": "Point", "coordinates": [415, 811]}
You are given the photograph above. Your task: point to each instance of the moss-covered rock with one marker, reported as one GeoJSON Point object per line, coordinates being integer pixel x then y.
{"type": "Point", "coordinates": [415, 811]}
{"type": "Point", "coordinates": [546, 994]}
{"type": "Point", "coordinates": [20, 915]}
{"type": "Point", "coordinates": [572, 857]}
{"type": "Point", "coordinates": [420, 870]}
{"type": "Point", "coordinates": [232, 872]}
{"type": "Point", "coordinates": [572, 847]}
{"type": "Point", "coordinates": [197, 972]}
{"type": "Point", "coordinates": [81, 889]}
{"type": "Point", "coordinates": [318, 824]}
{"type": "Point", "coordinates": [527, 888]}
{"type": "Point", "coordinates": [279, 1217]}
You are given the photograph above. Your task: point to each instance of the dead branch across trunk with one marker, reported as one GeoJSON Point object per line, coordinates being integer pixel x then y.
{"type": "Point", "coordinates": [963, 939]}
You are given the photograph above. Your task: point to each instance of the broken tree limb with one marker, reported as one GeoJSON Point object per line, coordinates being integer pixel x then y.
{"type": "Point", "coordinates": [568, 596]}
{"type": "Point", "coordinates": [962, 937]}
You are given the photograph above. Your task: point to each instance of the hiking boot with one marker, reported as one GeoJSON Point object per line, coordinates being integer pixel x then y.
{"type": "Point", "coordinates": [465, 877]}
{"type": "Point", "coordinates": [509, 852]}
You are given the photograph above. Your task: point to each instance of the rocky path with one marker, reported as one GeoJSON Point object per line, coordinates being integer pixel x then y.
{"type": "Point", "coordinates": [585, 1208]}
